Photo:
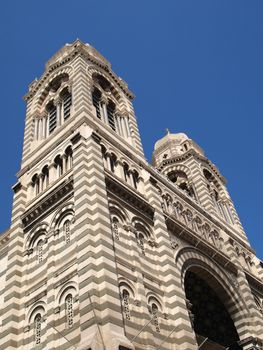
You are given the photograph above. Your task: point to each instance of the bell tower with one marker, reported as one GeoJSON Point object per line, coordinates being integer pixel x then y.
{"type": "Point", "coordinates": [185, 164]}
{"type": "Point", "coordinates": [60, 221]}
{"type": "Point", "coordinates": [108, 252]}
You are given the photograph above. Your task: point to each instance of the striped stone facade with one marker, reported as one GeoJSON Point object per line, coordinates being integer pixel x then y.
{"type": "Point", "coordinates": [101, 241]}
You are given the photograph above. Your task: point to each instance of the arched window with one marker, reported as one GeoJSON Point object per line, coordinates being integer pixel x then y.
{"type": "Point", "coordinates": [35, 184]}
{"type": "Point", "coordinates": [69, 310]}
{"type": "Point", "coordinates": [115, 228]}
{"type": "Point", "coordinates": [45, 177]}
{"type": "Point", "coordinates": [113, 160]}
{"type": "Point", "coordinates": [66, 229]}
{"type": "Point", "coordinates": [57, 100]}
{"type": "Point", "coordinates": [40, 245]}
{"type": "Point", "coordinates": [37, 328]}
{"type": "Point", "coordinates": [154, 311]}
{"type": "Point", "coordinates": [126, 304]}
{"type": "Point", "coordinates": [155, 317]}
{"type": "Point", "coordinates": [135, 178]}
{"type": "Point", "coordinates": [68, 158]}
{"type": "Point", "coordinates": [180, 178]}
{"type": "Point", "coordinates": [59, 166]}
{"type": "Point", "coordinates": [126, 172]}
{"type": "Point", "coordinates": [141, 240]}
{"type": "Point", "coordinates": [105, 99]}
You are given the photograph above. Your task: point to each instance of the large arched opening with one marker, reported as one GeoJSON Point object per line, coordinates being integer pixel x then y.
{"type": "Point", "coordinates": [207, 305]}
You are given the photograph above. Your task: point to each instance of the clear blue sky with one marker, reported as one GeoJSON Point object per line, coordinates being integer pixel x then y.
{"type": "Point", "coordinates": [195, 67]}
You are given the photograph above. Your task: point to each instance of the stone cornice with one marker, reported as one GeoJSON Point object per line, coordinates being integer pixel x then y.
{"type": "Point", "coordinates": [76, 49]}
{"type": "Point", "coordinates": [36, 287]}
{"type": "Point", "coordinates": [129, 195]}
{"type": "Point", "coordinates": [47, 203]}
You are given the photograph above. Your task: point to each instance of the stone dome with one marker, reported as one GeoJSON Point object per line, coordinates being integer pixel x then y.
{"type": "Point", "coordinates": [176, 138]}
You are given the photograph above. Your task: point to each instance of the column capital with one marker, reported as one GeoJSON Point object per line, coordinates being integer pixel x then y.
{"type": "Point", "coordinates": [104, 99]}
{"type": "Point", "coordinates": [57, 100]}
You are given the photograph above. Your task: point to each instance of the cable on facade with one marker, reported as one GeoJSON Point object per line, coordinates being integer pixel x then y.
{"type": "Point", "coordinates": [199, 347]}
{"type": "Point", "coordinates": [96, 320]}
{"type": "Point", "coordinates": [62, 335]}
{"type": "Point", "coordinates": [159, 347]}
{"type": "Point", "coordinates": [136, 336]}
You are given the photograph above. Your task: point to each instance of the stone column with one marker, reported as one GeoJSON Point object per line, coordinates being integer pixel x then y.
{"type": "Point", "coordinates": [40, 129]}
{"type": "Point", "coordinates": [47, 125]}
{"type": "Point", "coordinates": [126, 119]}
{"type": "Point", "coordinates": [117, 124]}
{"type": "Point", "coordinates": [104, 110]}
{"type": "Point", "coordinates": [124, 127]}
{"type": "Point", "coordinates": [58, 106]}
{"type": "Point", "coordinates": [64, 163]}
{"type": "Point", "coordinates": [41, 182]}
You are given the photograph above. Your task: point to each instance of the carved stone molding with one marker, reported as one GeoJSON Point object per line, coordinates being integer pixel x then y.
{"type": "Point", "coordinates": [174, 244]}
{"type": "Point", "coordinates": [56, 232]}
{"type": "Point", "coordinates": [137, 302]}
{"type": "Point", "coordinates": [28, 251]}
{"type": "Point", "coordinates": [36, 298]}
{"type": "Point", "coordinates": [152, 243]}
{"type": "Point", "coordinates": [48, 202]}
{"type": "Point", "coordinates": [242, 251]}
{"type": "Point", "coordinates": [36, 287]}
{"type": "Point", "coordinates": [57, 310]}
{"type": "Point", "coordinates": [129, 195]}
{"type": "Point", "coordinates": [26, 329]}
{"type": "Point", "coordinates": [165, 316]}
{"type": "Point", "coordinates": [129, 228]}
{"type": "Point", "coordinates": [233, 280]}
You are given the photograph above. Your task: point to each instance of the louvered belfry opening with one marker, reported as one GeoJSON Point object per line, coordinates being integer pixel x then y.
{"type": "Point", "coordinates": [110, 112]}
{"type": "Point", "coordinates": [52, 119]}
{"type": "Point", "coordinates": [96, 96]}
{"type": "Point", "coordinates": [67, 101]}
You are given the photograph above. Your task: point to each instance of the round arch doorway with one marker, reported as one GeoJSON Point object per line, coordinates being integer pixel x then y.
{"type": "Point", "coordinates": [213, 326]}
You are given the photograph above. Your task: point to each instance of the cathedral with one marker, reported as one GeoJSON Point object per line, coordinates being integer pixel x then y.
{"type": "Point", "coordinates": [108, 252]}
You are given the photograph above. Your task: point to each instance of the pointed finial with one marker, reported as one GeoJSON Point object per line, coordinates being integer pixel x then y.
{"type": "Point", "coordinates": [167, 131]}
